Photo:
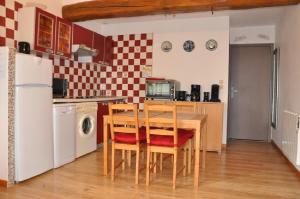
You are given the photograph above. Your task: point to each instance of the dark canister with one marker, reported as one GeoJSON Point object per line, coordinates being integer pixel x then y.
{"type": "Point", "coordinates": [195, 93]}
{"type": "Point", "coordinates": [206, 97]}
{"type": "Point", "coordinates": [24, 47]}
{"type": "Point", "coordinates": [181, 96]}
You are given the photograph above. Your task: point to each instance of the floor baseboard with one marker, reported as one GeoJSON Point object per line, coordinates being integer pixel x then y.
{"type": "Point", "coordinates": [287, 160]}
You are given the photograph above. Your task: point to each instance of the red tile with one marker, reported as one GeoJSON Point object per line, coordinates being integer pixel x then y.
{"type": "Point", "coordinates": [120, 62]}
{"type": "Point", "coordinates": [71, 93]}
{"type": "Point", "coordinates": [80, 79]}
{"type": "Point", "coordinates": [130, 87]}
{"type": "Point", "coordinates": [2, 41]}
{"type": "Point", "coordinates": [125, 68]}
{"type": "Point", "coordinates": [143, 49]}
{"type": "Point", "coordinates": [137, 55]}
{"type": "Point", "coordinates": [131, 37]}
{"type": "Point", "coordinates": [88, 93]}
{"type": "Point", "coordinates": [125, 55]}
{"type": "Point", "coordinates": [56, 69]}
{"type": "Point", "coordinates": [102, 80]}
{"type": "Point", "coordinates": [114, 80]}
{"type": "Point", "coordinates": [120, 37]}
{"type": "Point", "coordinates": [2, 21]}
{"type": "Point", "coordinates": [83, 86]}
{"type": "Point", "coordinates": [137, 43]}
{"type": "Point", "coordinates": [75, 85]}
{"type": "Point", "coordinates": [88, 79]}
{"type": "Point", "coordinates": [149, 42]}
{"type": "Point", "coordinates": [136, 80]}
{"type": "Point", "coordinates": [130, 99]}
{"type": "Point", "coordinates": [10, 33]}
{"type": "Point", "coordinates": [79, 93]}
{"type": "Point", "coordinates": [83, 72]}
{"type": "Point", "coordinates": [142, 87]}
{"type": "Point", "coordinates": [136, 93]}
{"type": "Point", "coordinates": [62, 62]}
{"type": "Point", "coordinates": [136, 68]}
{"type": "Point", "coordinates": [144, 36]}
{"type": "Point", "coordinates": [75, 71]}
{"type": "Point", "coordinates": [131, 61]}
{"type": "Point", "coordinates": [125, 81]}
{"type": "Point", "coordinates": [2, 2]}
{"type": "Point", "coordinates": [119, 74]}
{"type": "Point", "coordinates": [124, 93]}
{"type": "Point", "coordinates": [67, 70]}
{"type": "Point", "coordinates": [18, 6]}
{"type": "Point", "coordinates": [119, 86]}
{"type": "Point", "coordinates": [10, 13]}
{"type": "Point", "coordinates": [113, 93]}
{"type": "Point", "coordinates": [143, 61]}
{"type": "Point", "coordinates": [131, 49]}
{"type": "Point", "coordinates": [126, 43]}
{"type": "Point", "coordinates": [130, 74]}
{"type": "Point", "coordinates": [88, 66]}
{"type": "Point", "coordinates": [149, 55]}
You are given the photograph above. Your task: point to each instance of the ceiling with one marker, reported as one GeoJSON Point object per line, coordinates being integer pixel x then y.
{"type": "Point", "coordinates": [238, 18]}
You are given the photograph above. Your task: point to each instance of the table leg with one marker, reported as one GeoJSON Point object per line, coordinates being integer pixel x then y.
{"type": "Point", "coordinates": [105, 146]}
{"type": "Point", "coordinates": [204, 142]}
{"type": "Point", "coordinates": [197, 155]}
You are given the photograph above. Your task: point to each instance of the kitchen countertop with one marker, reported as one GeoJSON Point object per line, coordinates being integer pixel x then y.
{"type": "Point", "coordinates": [95, 99]}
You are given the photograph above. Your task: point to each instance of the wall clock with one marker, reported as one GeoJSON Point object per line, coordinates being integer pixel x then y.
{"type": "Point", "coordinates": [188, 46]}
{"type": "Point", "coordinates": [211, 45]}
{"type": "Point", "coordinates": [166, 46]}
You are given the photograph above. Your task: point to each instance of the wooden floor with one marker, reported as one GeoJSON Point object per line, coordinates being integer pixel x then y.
{"type": "Point", "coordinates": [244, 170]}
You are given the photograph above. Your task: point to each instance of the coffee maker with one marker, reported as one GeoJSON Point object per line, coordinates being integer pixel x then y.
{"type": "Point", "coordinates": [195, 93]}
{"type": "Point", "coordinates": [215, 93]}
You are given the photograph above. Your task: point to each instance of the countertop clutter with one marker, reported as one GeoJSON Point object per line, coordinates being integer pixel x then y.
{"type": "Point", "coordinates": [92, 99]}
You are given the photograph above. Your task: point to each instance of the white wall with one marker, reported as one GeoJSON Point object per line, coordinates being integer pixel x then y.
{"type": "Point", "coordinates": [198, 67]}
{"type": "Point", "coordinates": [288, 39]}
{"type": "Point", "coordinates": [52, 6]}
{"type": "Point", "coordinates": [3, 113]}
{"type": "Point", "coordinates": [253, 35]}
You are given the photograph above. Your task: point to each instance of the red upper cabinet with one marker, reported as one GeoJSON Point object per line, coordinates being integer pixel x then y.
{"type": "Point", "coordinates": [82, 36]}
{"type": "Point", "coordinates": [109, 47]}
{"type": "Point", "coordinates": [99, 44]}
{"type": "Point", "coordinates": [63, 37]}
{"type": "Point", "coordinates": [44, 31]}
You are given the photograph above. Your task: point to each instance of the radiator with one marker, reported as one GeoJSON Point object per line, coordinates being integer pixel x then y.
{"type": "Point", "coordinates": [291, 137]}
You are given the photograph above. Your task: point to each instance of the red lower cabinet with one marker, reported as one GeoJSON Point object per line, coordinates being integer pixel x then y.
{"type": "Point", "coordinates": [102, 110]}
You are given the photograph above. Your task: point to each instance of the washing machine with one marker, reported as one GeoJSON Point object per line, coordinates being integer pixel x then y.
{"type": "Point", "coordinates": [86, 128]}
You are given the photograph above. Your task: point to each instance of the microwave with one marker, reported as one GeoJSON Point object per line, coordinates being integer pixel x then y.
{"type": "Point", "coordinates": [161, 89]}
{"type": "Point", "coordinates": [60, 88]}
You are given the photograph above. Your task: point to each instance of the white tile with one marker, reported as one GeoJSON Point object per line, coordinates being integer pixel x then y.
{"type": "Point", "coordinates": [124, 87]}
{"type": "Point", "coordinates": [119, 80]}
{"type": "Point", "coordinates": [137, 37]}
{"type": "Point", "coordinates": [10, 42]}
{"type": "Point", "coordinates": [130, 81]}
{"type": "Point", "coordinates": [9, 23]}
{"type": "Point", "coordinates": [10, 4]}
{"type": "Point", "coordinates": [136, 87]}
{"type": "Point", "coordinates": [119, 93]}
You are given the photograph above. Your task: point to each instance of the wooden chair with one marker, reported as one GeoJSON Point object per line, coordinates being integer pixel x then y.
{"type": "Point", "coordinates": [188, 107]}
{"type": "Point", "coordinates": [125, 134]}
{"type": "Point", "coordinates": [166, 139]}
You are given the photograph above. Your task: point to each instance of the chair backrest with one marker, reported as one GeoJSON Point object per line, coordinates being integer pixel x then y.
{"type": "Point", "coordinates": [186, 107]}
{"type": "Point", "coordinates": [161, 120]}
{"type": "Point", "coordinates": [123, 119]}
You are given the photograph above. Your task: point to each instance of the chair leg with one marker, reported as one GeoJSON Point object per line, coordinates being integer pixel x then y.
{"type": "Point", "coordinates": [175, 169]}
{"type": "Point", "coordinates": [185, 150]}
{"type": "Point", "coordinates": [190, 150]}
{"type": "Point", "coordinates": [129, 158]}
{"type": "Point", "coordinates": [148, 167]}
{"type": "Point", "coordinates": [155, 162]}
{"type": "Point", "coordinates": [161, 162]}
{"type": "Point", "coordinates": [137, 166]}
{"type": "Point", "coordinates": [123, 159]}
{"type": "Point", "coordinates": [113, 163]}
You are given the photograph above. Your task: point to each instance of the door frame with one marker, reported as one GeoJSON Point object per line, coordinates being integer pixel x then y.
{"type": "Point", "coordinates": [272, 48]}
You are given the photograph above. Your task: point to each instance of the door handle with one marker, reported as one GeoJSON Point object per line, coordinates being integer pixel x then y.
{"type": "Point", "coordinates": [233, 92]}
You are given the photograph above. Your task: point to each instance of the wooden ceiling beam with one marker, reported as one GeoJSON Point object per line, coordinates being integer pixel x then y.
{"type": "Point", "coordinates": [101, 9]}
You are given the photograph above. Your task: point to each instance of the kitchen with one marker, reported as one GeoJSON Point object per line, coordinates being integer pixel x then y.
{"type": "Point", "coordinates": [132, 49]}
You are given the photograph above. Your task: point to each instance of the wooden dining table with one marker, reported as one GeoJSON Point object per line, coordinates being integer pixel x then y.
{"type": "Point", "coordinates": [195, 121]}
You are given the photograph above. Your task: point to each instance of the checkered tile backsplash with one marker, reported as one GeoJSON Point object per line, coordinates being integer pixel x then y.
{"type": "Point", "coordinates": [8, 22]}
{"type": "Point", "coordinates": [124, 78]}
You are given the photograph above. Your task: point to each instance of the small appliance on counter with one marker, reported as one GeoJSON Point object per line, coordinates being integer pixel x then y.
{"type": "Point", "coordinates": [195, 93]}
{"type": "Point", "coordinates": [24, 47]}
{"type": "Point", "coordinates": [60, 88]}
{"type": "Point", "coordinates": [215, 93]}
{"type": "Point", "coordinates": [206, 97]}
{"type": "Point", "coordinates": [181, 96]}
{"type": "Point", "coordinates": [158, 88]}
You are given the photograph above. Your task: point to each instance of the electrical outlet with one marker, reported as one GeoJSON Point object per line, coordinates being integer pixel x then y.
{"type": "Point", "coordinates": [221, 83]}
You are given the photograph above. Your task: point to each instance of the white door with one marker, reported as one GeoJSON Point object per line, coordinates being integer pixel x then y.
{"type": "Point", "coordinates": [34, 133]}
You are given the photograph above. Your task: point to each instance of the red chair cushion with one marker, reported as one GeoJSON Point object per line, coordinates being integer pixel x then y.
{"type": "Point", "coordinates": [128, 138]}
{"type": "Point", "coordinates": [168, 141]}
{"type": "Point", "coordinates": [188, 132]}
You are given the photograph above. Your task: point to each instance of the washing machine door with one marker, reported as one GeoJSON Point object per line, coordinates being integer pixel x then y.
{"type": "Point", "coordinates": [87, 126]}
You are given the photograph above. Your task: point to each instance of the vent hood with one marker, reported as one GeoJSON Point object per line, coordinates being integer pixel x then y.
{"type": "Point", "coordinates": [83, 51]}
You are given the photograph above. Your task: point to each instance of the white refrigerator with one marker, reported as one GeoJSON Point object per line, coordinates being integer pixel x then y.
{"type": "Point", "coordinates": [33, 116]}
